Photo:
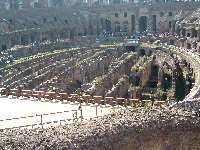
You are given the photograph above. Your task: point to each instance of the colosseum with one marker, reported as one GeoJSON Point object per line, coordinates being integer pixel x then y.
{"type": "Point", "coordinates": [140, 59]}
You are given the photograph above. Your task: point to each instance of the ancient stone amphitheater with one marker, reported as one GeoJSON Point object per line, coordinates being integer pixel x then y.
{"type": "Point", "coordinates": [145, 58]}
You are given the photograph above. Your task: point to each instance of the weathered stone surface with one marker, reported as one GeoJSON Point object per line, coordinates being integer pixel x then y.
{"type": "Point", "coordinates": [156, 128]}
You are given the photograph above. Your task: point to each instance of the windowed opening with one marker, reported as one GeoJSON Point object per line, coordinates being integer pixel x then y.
{"type": "Point", "coordinates": [35, 23]}
{"type": "Point", "coordinates": [125, 24]}
{"type": "Point", "coordinates": [116, 15]}
{"type": "Point", "coordinates": [125, 14]}
{"type": "Point", "coordinates": [3, 47]}
{"type": "Point", "coordinates": [143, 23]}
{"type": "Point", "coordinates": [142, 52]}
{"type": "Point", "coordinates": [161, 14]}
{"type": "Point", "coordinates": [188, 46]}
{"type": "Point", "coordinates": [55, 19]}
{"type": "Point", "coordinates": [170, 24]}
{"type": "Point", "coordinates": [66, 21]}
{"type": "Point", "coordinates": [44, 20]}
{"type": "Point", "coordinates": [194, 33]}
{"type": "Point", "coordinates": [117, 26]}
{"type": "Point", "coordinates": [171, 42]}
{"type": "Point", "coordinates": [183, 32]}
{"type": "Point", "coordinates": [170, 13]}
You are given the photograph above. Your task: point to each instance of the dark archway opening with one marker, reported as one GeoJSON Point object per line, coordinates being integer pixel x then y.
{"type": "Point", "coordinates": [166, 82]}
{"type": "Point", "coordinates": [143, 23]}
{"type": "Point", "coordinates": [108, 26]}
{"type": "Point", "coordinates": [171, 42]}
{"type": "Point", "coordinates": [71, 36]}
{"type": "Point", "coordinates": [170, 24]}
{"type": "Point", "coordinates": [188, 35]}
{"type": "Point", "coordinates": [180, 88]}
{"type": "Point", "coordinates": [117, 27]}
{"type": "Point", "coordinates": [131, 48]}
{"type": "Point", "coordinates": [194, 33]}
{"type": "Point", "coordinates": [188, 46]}
{"type": "Point", "coordinates": [137, 81]}
{"type": "Point", "coordinates": [84, 31]}
{"type": "Point", "coordinates": [24, 40]}
{"type": "Point", "coordinates": [141, 52]}
{"type": "Point", "coordinates": [102, 23]}
{"type": "Point", "coordinates": [116, 1]}
{"type": "Point", "coordinates": [178, 31]}
{"type": "Point", "coordinates": [35, 5]}
{"type": "Point", "coordinates": [183, 32]}
{"type": "Point", "coordinates": [154, 23]}
{"type": "Point", "coordinates": [90, 28]}
{"type": "Point", "coordinates": [132, 23]}
{"type": "Point", "coordinates": [154, 77]}
{"type": "Point", "coordinates": [4, 47]}
{"type": "Point", "coordinates": [125, 25]}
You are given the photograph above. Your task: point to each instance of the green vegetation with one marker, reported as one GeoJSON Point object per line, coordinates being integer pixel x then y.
{"type": "Point", "coordinates": [49, 53]}
{"type": "Point", "coordinates": [140, 65]}
{"type": "Point", "coordinates": [148, 45]}
{"type": "Point", "coordinates": [90, 58]}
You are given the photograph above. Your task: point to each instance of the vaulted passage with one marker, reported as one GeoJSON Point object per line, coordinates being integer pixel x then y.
{"type": "Point", "coordinates": [117, 26]}
{"type": "Point", "coordinates": [143, 23]}
{"type": "Point", "coordinates": [180, 90]}
{"type": "Point", "coordinates": [131, 48]}
{"type": "Point", "coordinates": [108, 25]}
{"type": "Point", "coordinates": [141, 52]}
{"type": "Point", "coordinates": [154, 23]}
{"type": "Point", "coordinates": [132, 23]}
{"type": "Point", "coordinates": [166, 82]}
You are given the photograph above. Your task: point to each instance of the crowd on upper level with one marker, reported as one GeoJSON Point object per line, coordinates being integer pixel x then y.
{"type": "Point", "coordinates": [20, 4]}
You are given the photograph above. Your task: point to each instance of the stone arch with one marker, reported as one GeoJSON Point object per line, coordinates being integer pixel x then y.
{"type": "Point", "coordinates": [4, 47]}
{"type": "Point", "coordinates": [161, 14]}
{"type": "Point", "coordinates": [90, 28]}
{"type": "Point", "coordinates": [188, 34]}
{"type": "Point", "coordinates": [142, 52]}
{"type": "Point", "coordinates": [71, 34]}
{"type": "Point", "coordinates": [171, 42]}
{"type": "Point", "coordinates": [166, 81]}
{"type": "Point", "coordinates": [102, 24]}
{"type": "Point", "coordinates": [132, 23]}
{"type": "Point", "coordinates": [178, 31]}
{"type": "Point", "coordinates": [194, 45]}
{"type": "Point", "coordinates": [116, 1]}
{"type": "Point", "coordinates": [154, 23]}
{"type": "Point", "coordinates": [188, 46]}
{"type": "Point", "coordinates": [143, 23]}
{"type": "Point", "coordinates": [194, 32]}
{"type": "Point", "coordinates": [108, 25]}
{"type": "Point", "coordinates": [117, 26]}
{"type": "Point", "coordinates": [125, 25]}
{"type": "Point", "coordinates": [183, 32]}
{"type": "Point", "coordinates": [170, 24]}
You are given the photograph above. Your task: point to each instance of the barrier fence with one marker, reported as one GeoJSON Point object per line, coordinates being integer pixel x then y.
{"type": "Point", "coordinates": [40, 120]}
{"type": "Point", "coordinates": [46, 119]}
{"type": "Point", "coordinates": [81, 98]}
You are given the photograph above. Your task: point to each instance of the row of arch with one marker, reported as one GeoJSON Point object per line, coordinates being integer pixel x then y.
{"type": "Point", "coordinates": [125, 25]}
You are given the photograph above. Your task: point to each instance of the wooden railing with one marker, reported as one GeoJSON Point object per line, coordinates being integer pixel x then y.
{"type": "Point", "coordinates": [81, 98]}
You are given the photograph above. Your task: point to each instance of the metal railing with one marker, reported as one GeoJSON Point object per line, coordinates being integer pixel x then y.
{"type": "Point", "coordinates": [40, 120]}
{"type": "Point", "coordinates": [45, 119]}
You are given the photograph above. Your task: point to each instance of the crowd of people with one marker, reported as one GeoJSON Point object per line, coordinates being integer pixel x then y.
{"type": "Point", "coordinates": [5, 57]}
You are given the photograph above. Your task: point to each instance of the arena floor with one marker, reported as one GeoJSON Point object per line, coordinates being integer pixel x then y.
{"type": "Point", "coordinates": [27, 112]}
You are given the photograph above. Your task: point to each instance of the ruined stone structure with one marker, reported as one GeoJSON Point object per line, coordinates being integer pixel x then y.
{"type": "Point", "coordinates": [26, 26]}
{"type": "Point", "coordinates": [163, 64]}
